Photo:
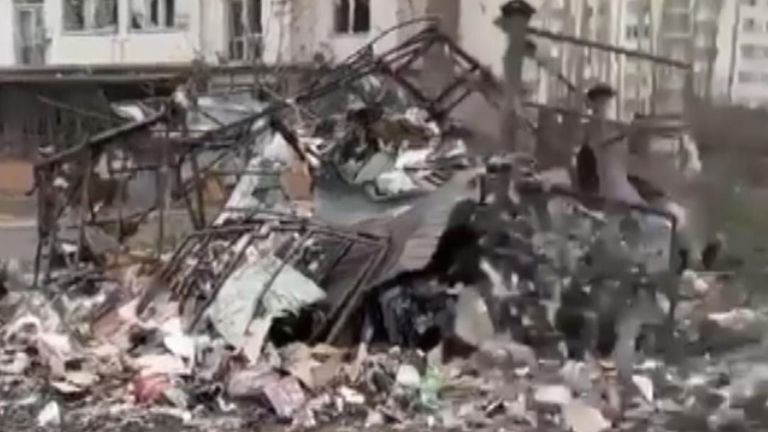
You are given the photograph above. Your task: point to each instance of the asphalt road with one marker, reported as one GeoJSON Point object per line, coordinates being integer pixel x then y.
{"type": "Point", "coordinates": [18, 239]}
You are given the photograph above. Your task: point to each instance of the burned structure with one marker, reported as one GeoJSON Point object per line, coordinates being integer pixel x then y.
{"type": "Point", "coordinates": [257, 176]}
{"type": "Point", "coordinates": [357, 210]}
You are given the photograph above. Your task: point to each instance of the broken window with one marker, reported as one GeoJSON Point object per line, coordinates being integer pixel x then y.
{"type": "Point", "coordinates": [82, 15]}
{"type": "Point", "coordinates": [30, 37]}
{"type": "Point", "coordinates": [153, 14]}
{"type": "Point", "coordinates": [245, 27]}
{"type": "Point", "coordinates": [352, 16]}
{"type": "Point", "coordinates": [253, 16]}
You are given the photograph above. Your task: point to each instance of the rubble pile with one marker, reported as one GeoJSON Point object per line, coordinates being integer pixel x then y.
{"type": "Point", "coordinates": [350, 261]}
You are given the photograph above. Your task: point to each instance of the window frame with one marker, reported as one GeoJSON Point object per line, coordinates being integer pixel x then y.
{"type": "Point", "coordinates": [744, 49]}
{"type": "Point", "coordinates": [111, 29]}
{"type": "Point", "coordinates": [632, 32]}
{"type": "Point", "coordinates": [752, 27]}
{"type": "Point", "coordinates": [238, 46]}
{"type": "Point", "coordinates": [350, 20]}
{"type": "Point", "coordinates": [748, 77]}
{"type": "Point", "coordinates": [162, 12]}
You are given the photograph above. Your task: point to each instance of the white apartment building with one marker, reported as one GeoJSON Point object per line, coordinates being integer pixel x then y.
{"type": "Point", "coordinates": [40, 32]}
{"type": "Point", "coordinates": [81, 32]}
{"type": "Point", "coordinates": [94, 32]}
{"type": "Point", "coordinates": [741, 71]}
{"type": "Point", "coordinates": [683, 30]}
{"type": "Point", "coordinates": [706, 49]}
{"type": "Point", "coordinates": [669, 28]}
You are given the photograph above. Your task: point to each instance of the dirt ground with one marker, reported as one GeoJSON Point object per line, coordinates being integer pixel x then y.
{"type": "Point", "coordinates": [16, 177]}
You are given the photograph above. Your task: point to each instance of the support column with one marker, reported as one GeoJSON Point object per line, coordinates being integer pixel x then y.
{"type": "Point", "coordinates": [514, 19]}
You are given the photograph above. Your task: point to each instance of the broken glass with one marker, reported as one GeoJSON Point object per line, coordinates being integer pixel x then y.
{"type": "Point", "coordinates": [74, 17]}
{"type": "Point", "coordinates": [352, 16]}
{"type": "Point", "coordinates": [361, 18]}
{"type": "Point", "coordinates": [149, 14]}
{"type": "Point", "coordinates": [341, 9]}
{"type": "Point", "coordinates": [80, 15]}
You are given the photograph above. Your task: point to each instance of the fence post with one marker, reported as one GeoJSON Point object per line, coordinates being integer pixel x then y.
{"type": "Point", "coordinates": [514, 19]}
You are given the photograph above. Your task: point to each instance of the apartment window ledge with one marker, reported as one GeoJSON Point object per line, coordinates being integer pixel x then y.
{"type": "Point", "coordinates": [360, 35]}
{"type": "Point", "coordinates": [94, 32]}
{"type": "Point", "coordinates": [159, 30]}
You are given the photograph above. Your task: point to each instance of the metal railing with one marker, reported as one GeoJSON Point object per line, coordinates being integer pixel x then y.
{"type": "Point", "coordinates": [645, 83]}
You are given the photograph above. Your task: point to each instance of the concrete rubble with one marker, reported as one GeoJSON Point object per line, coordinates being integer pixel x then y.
{"type": "Point", "coordinates": [350, 260]}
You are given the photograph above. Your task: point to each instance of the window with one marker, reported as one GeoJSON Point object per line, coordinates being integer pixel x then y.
{"type": "Point", "coordinates": [245, 27]}
{"type": "Point", "coordinates": [749, 51]}
{"type": "Point", "coordinates": [678, 50]}
{"type": "Point", "coordinates": [153, 14]}
{"type": "Point", "coordinates": [30, 38]}
{"type": "Point", "coordinates": [602, 9]}
{"type": "Point", "coordinates": [632, 32]}
{"type": "Point", "coordinates": [636, 7]}
{"type": "Point", "coordinates": [352, 16]}
{"type": "Point", "coordinates": [749, 24]}
{"type": "Point", "coordinates": [80, 15]}
{"type": "Point", "coordinates": [746, 77]}
{"type": "Point", "coordinates": [253, 17]}
{"type": "Point", "coordinates": [638, 31]}
{"type": "Point", "coordinates": [676, 23]}
{"type": "Point", "coordinates": [704, 53]}
{"type": "Point", "coordinates": [679, 4]}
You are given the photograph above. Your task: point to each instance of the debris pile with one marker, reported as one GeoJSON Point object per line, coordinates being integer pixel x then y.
{"type": "Point", "coordinates": [347, 258]}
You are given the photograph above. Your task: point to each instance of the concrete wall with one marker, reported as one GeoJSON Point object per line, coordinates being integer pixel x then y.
{"type": "Point", "coordinates": [124, 45]}
{"type": "Point", "coordinates": [312, 28]}
{"type": "Point", "coordinates": [294, 30]}
{"type": "Point", "coordinates": [7, 53]}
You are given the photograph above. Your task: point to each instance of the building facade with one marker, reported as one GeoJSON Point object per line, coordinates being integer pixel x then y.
{"type": "Point", "coordinates": [684, 30]}
{"type": "Point", "coordinates": [78, 32]}
{"type": "Point", "coordinates": [741, 76]}
{"type": "Point", "coordinates": [726, 41]}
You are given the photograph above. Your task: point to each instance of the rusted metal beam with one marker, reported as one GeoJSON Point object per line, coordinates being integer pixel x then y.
{"type": "Point", "coordinates": [199, 183]}
{"type": "Point", "coordinates": [84, 208]}
{"type": "Point", "coordinates": [651, 123]}
{"type": "Point", "coordinates": [76, 110]}
{"type": "Point", "coordinates": [134, 72]}
{"type": "Point", "coordinates": [609, 48]}
{"type": "Point", "coordinates": [101, 139]}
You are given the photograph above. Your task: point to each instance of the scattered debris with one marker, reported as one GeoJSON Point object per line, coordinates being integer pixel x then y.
{"type": "Point", "coordinates": [408, 376]}
{"type": "Point", "coordinates": [286, 396]}
{"type": "Point", "coordinates": [553, 395]}
{"type": "Point", "coordinates": [228, 258]}
{"type": "Point", "coordinates": [580, 417]}
{"type": "Point", "coordinates": [50, 415]}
